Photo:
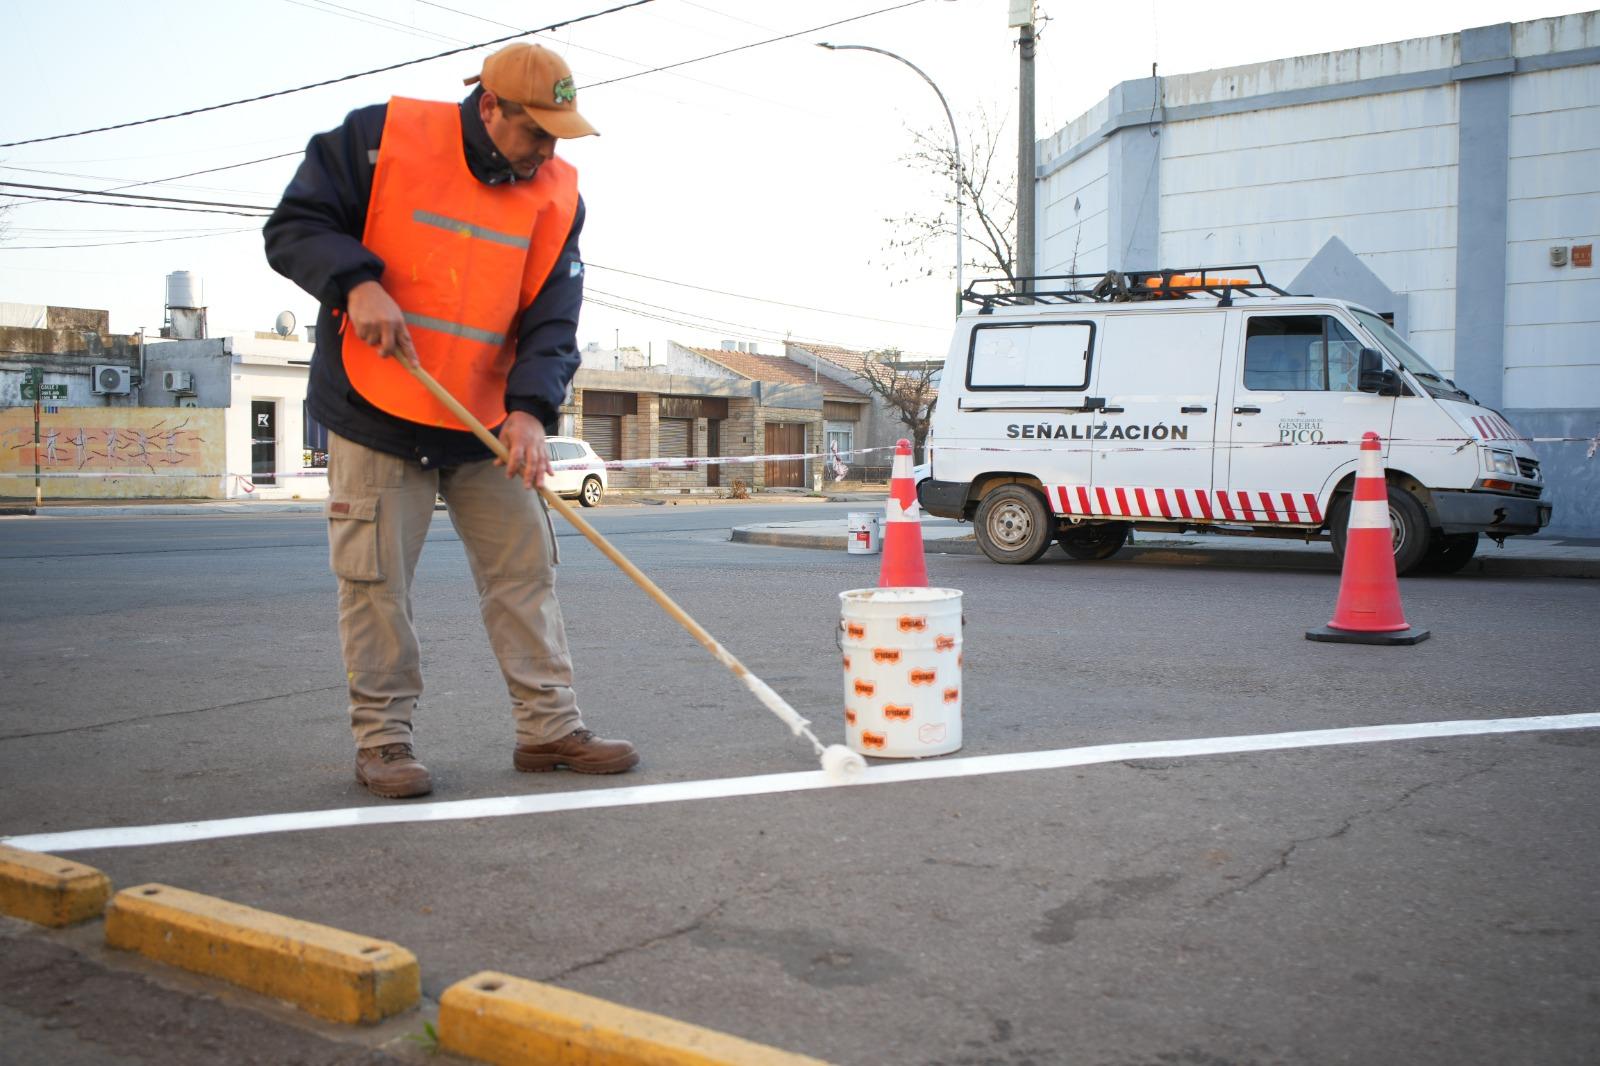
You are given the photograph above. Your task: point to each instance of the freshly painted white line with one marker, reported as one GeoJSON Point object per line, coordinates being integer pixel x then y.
{"type": "Point", "coordinates": [722, 788]}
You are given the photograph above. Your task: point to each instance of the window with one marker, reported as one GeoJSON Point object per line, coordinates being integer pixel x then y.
{"type": "Point", "coordinates": [315, 443]}
{"type": "Point", "coordinates": [841, 437]}
{"type": "Point", "coordinates": [1052, 355]}
{"type": "Point", "coordinates": [1300, 353]}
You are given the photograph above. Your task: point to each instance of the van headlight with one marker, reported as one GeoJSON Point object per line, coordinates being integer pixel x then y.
{"type": "Point", "coordinates": [1499, 462]}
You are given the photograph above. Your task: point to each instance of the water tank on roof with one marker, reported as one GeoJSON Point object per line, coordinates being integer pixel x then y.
{"type": "Point", "coordinates": [184, 289]}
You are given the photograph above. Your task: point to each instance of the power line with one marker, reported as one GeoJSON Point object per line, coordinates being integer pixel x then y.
{"type": "Point", "coordinates": [131, 196]}
{"type": "Point", "coordinates": [113, 244]}
{"type": "Point", "coordinates": [589, 264]}
{"type": "Point", "coordinates": [369, 19]}
{"type": "Point", "coordinates": [624, 59]}
{"type": "Point", "coordinates": [151, 181]}
{"type": "Point", "coordinates": [743, 47]}
{"type": "Point", "coordinates": [122, 203]}
{"type": "Point", "coordinates": [330, 81]}
{"type": "Point", "coordinates": [670, 310]}
{"type": "Point", "coordinates": [691, 320]}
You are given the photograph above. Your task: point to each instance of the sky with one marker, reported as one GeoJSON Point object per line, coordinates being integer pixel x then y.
{"type": "Point", "coordinates": [742, 197]}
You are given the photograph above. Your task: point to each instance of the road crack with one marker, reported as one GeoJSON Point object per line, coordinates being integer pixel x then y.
{"type": "Point", "coordinates": [1286, 855]}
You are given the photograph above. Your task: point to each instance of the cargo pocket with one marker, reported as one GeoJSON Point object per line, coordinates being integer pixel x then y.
{"type": "Point", "coordinates": [353, 539]}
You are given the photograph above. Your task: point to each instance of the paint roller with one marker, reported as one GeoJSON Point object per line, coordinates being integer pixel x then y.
{"type": "Point", "coordinates": [842, 765]}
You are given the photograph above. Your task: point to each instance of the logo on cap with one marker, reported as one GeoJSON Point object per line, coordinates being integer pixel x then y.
{"type": "Point", "coordinates": [565, 91]}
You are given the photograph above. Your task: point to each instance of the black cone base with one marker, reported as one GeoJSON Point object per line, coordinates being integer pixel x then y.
{"type": "Point", "coordinates": [1353, 636]}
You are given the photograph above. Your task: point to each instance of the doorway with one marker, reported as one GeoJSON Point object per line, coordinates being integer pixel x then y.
{"type": "Point", "coordinates": [264, 442]}
{"type": "Point", "coordinates": [713, 449]}
{"type": "Point", "coordinates": [786, 438]}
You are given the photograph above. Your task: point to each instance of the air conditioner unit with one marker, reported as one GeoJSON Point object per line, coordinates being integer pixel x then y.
{"type": "Point", "coordinates": [178, 381]}
{"type": "Point", "coordinates": [113, 380]}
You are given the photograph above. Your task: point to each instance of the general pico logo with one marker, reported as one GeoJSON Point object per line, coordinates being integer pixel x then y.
{"type": "Point", "coordinates": [1300, 431]}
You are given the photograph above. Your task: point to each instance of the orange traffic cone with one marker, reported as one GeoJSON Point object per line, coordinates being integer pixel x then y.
{"type": "Point", "coordinates": [1368, 611]}
{"type": "Point", "coordinates": [903, 564]}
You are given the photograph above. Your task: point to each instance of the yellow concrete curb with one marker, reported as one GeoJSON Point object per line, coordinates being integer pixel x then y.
{"type": "Point", "coordinates": [326, 972]}
{"type": "Point", "coordinates": [49, 890]}
{"type": "Point", "coordinates": [510, 1020]}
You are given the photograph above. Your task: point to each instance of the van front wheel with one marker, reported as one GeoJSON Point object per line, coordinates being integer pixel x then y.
{"type": "Point", "coordinates": [1013, 525]}
{"type": "Point", "coordinates": [1410, 536]}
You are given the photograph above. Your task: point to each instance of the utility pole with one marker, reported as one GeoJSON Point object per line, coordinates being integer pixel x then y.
{"type": "Point", "coordinates": [35, 382]}
{"type": "Point", "coordinates": [1021, 19]}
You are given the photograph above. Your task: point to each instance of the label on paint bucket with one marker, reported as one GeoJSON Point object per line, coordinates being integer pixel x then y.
{"type": "Point", "coordinates": [863, 533]}
{"type": "Point", "coordinates": [902, 671]}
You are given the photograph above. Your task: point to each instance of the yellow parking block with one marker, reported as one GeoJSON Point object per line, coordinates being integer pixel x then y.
{"type": "Point", "coordinates": [327, 972]}
{"type": "Point", "coordinates": [503, 1019]}
{"type": "Point", "coordinates": [50, 891]}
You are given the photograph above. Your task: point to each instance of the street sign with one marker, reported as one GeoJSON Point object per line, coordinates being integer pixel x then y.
{"type": "Point", "coordinates": [30, 391]}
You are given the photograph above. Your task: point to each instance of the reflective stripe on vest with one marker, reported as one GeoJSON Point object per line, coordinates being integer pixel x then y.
{"type": "Point", "coordinates": [461, 258]}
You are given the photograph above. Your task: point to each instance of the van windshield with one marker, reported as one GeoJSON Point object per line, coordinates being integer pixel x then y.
{"type": "Point", "coordinates": [1410, 358]}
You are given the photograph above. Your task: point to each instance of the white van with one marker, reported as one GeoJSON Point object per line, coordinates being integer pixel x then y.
{"type": "Point", "coordinates": [1207, 399]}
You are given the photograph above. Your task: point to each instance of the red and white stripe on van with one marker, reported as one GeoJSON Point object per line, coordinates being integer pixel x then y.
{"type": "Point", "coordinates": [1203, 505]}
{"type": "Point", "coordinates": [1492, 427]}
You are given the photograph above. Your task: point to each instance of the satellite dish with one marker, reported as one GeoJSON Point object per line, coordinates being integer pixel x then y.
{"type": "Point", "coordinates": [285, 323]}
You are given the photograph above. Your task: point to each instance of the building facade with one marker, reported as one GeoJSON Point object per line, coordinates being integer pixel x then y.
{"type": "Point", "coordinates": [125, 418]}
{"type": "Point", "coordinates": [699, 403]}
{"type": "Point", "coordinates": [1451, 182]}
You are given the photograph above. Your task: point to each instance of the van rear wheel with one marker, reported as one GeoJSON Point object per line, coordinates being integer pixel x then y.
{"type": "Point", "coordinates": [1013, 525]}
{"type": "Point", "coordinates": [1099, 541]}
{"type": "Point", "coordinates": [1410, 536]}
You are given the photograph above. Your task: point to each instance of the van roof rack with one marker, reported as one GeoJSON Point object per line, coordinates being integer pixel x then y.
{"type": "Point", "coordinates": [1117, 286]}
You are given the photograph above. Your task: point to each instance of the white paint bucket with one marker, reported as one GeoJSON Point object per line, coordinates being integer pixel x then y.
{"type": "Point", "coordinates": [902, 671]}
{"type": "Point", "coordinates": [865, 533]}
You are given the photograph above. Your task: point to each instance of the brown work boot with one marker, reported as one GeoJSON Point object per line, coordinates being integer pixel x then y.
{"type": "Point", "coordinates": [579, 750]}
{"type": "Point", "coordinates": [392, 771]}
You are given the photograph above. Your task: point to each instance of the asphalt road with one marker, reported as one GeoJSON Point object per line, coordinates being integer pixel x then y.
{"type": "Point", "coordinates": [1430, 901]}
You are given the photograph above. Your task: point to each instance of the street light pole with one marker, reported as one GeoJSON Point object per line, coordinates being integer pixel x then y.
{"type": "Point", "coordinates": [955, 140]}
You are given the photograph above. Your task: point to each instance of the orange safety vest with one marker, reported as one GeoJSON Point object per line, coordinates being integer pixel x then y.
{"type": "Point", "coordinates": [461, 258]}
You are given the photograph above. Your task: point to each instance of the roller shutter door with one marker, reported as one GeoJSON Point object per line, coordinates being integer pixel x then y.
{"type": "Point", "coordinates": [604, 434]}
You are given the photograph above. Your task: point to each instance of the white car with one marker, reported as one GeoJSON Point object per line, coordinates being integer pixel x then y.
{"type": "Point", "coordinates": [582, 473]}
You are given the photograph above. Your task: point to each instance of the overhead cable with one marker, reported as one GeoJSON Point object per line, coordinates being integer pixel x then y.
{"type": "Point", "coordinates": [591, 265]}
{"type": "Point", "coordinates": [744, 47]}
{"type": "Point", "coordinates": [113, 244]}
{"type": "Point", "coordinates": [331, 81]}
{"type": "Point", "coordinates": [124, 203]}
{"type": "Point", "coordinates": [131, 196]}
{"type": "Point", "coordinates": [150, 181]}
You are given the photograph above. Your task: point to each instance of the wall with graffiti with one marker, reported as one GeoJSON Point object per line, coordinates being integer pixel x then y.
{"type": "Point", "coordinates": [114, 453]}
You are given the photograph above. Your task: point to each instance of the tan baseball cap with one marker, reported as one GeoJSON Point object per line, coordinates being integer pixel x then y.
{"type": "Point", "coordinates": [540, 81]}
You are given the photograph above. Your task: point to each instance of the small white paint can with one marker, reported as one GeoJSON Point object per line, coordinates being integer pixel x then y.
{"type": "Point", "coordinates": [864, 529]}
{"type": "Point", "coordinates": [902, 671]}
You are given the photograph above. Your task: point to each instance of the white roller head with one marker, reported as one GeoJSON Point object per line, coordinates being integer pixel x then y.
{"type": "Point", "coordinates": [843, 766]}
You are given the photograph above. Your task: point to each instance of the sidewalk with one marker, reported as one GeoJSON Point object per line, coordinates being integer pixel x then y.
{"type": "Point", "coordinates": [1542, 556]}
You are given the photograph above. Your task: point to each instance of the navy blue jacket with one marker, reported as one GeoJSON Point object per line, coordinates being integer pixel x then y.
{"type": "Point", "coordinates": [314, 239]}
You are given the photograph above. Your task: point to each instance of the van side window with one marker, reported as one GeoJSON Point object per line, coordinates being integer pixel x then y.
{"type": "Point", "coordinates": [1050, 355]}
{"type": "Point", "coordinates": [1300, 353]}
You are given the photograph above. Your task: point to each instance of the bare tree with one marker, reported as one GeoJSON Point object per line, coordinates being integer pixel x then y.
{"type": "Point", "coordinates": [907, 388]}
{"type": "Point", "coordinates": [989, 196]}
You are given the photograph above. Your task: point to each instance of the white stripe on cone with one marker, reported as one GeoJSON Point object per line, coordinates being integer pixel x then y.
{"type": "Point", "coordinates": [1369, 514]}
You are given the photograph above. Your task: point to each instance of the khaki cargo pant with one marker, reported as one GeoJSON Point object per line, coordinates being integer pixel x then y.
{"type": "Point", "coordinates": [378, 510]}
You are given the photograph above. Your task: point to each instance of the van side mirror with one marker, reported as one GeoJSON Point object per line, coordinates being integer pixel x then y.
{"type": "Point", "coordinates": [1372, 375]}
